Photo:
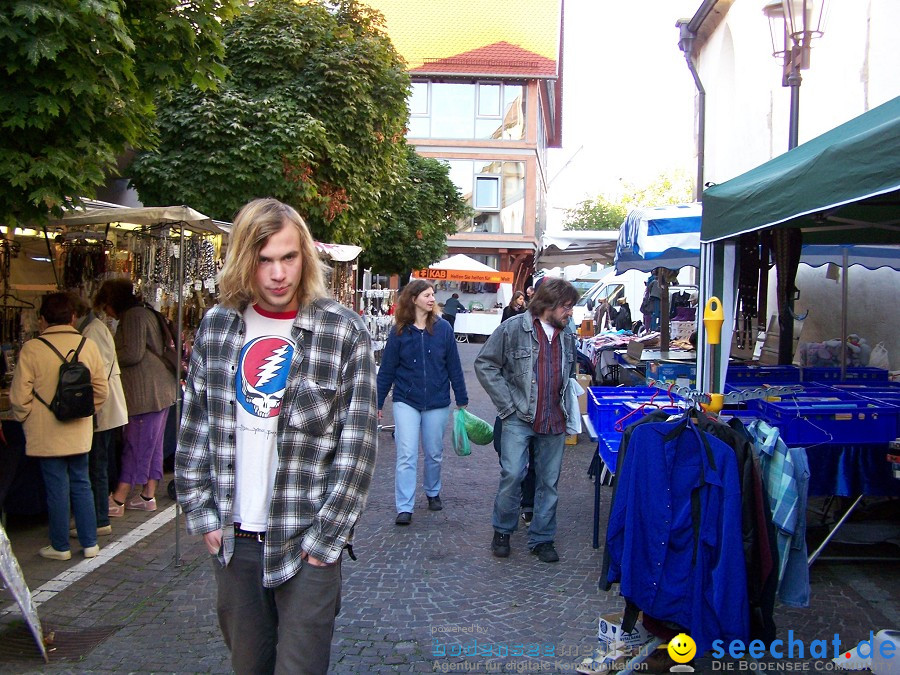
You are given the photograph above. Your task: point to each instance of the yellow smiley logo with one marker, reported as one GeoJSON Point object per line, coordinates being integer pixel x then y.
{"type": "Point", "coordinates": [682, 648]}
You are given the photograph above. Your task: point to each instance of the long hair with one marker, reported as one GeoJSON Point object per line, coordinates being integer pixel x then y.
{"type": "Point", "coordinates": [405, 310]}
{"type": "Point", "coordinates": [516, 296]}
{"type": "Point", "coordinates": [254, 224]}
{"type": "Point", "coordinates": [118, 294]}
{"type": "Point", "coordinates": [551, 294]}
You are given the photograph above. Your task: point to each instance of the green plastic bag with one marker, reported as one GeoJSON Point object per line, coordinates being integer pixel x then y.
{"type": "Point", "coordinates": [460, 435]}
{"type": "Point", "coordinates": [479, 431]}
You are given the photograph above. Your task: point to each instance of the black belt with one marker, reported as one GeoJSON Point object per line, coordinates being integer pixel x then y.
{"type": "Point", "coordinates": [247, 534]}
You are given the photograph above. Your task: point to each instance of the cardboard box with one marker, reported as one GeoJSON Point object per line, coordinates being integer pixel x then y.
{"type": "Point", "coordinates": [585, 381]}
{"type": "Point", "coordinates": [682, 374]}
{"type": "Point", "coordinates": [634, 349]}
{"type": "Point", "coordinates": [610, 632]}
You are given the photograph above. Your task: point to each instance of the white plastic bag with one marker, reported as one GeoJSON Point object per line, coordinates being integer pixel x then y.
{"type": "Point", "coordinates": [879, 357]}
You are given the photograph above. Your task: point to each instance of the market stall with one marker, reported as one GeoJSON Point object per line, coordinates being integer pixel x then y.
{"type": "Point", "coordinates": [483, 290]}
{"type": "Point", "coordinates": [842, 187]}
{"type": "Point", "coordinates": [341, 260]}
{"type": "Point", "coordinates": [169, 252]}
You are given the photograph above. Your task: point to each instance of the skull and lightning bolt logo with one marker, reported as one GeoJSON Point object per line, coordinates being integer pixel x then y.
{"type": "Point", "coordinates": [262, 377]}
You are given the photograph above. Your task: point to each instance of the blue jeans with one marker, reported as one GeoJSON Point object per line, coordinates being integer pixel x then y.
{"type": "Point", "coordinates": [548, 455]}
{"type": "Point", "coordinates": [67, 478]}
{"type": "Point", "coordinates": [409, 425]}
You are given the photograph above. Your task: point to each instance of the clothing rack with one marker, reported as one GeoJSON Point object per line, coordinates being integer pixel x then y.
{"type": "Point", "coordinates": [699, 397]}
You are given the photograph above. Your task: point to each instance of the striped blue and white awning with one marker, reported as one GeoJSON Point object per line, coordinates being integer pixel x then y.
{"type": "Point", "coordinates": [665, 236]}
{"type": "Point", "coordinates": [669, 236]}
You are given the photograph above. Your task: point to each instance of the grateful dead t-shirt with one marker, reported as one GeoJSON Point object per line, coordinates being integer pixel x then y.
{"type": "Point", "coordinates": [260, 382]}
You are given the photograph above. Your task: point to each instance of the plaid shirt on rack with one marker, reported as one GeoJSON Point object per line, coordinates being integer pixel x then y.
{"type": "Point", "coordinates": [326, 436]}
{"type": "Point", "coordinates": [785, 475]}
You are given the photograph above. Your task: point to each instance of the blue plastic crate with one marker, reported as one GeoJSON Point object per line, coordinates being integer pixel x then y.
{"type": "Point", "coordinates": [851, 421]}
{"type": "Point", "coordinates": [745, 416]}
{"type": "Point", "coordinates": [608, 449]}
{"type": "Point", "coordinates": [762, 374]}
{"type": "Point", "coordinates": [603, 402]}
{"type": "Point", "coordinates": [607, 405]}
{"type": "Point", "coordinates": [867, 389]}
{"type": "Point", "coordinates": [818, 374]}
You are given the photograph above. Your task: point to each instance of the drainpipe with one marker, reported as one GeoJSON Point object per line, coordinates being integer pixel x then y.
{"type": "Point", "coordinates": [687, 33]}
{"type": "Point", "coordinates": [686, 43]}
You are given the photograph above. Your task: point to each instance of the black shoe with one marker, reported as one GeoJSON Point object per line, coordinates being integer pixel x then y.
{"type": "Point", "coordinates": [404, 518]}
{"type": "Point", "coordinates": [434, 503]}
{"type": "Point", "coordinates": [500, 545]}
{"type": "Point", "coordinates": [527, 516]}
{"type": "Point", "coordinates": [545, 552]}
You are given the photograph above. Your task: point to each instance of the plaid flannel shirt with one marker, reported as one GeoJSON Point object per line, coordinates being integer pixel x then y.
{"type": "Point", "coordinates": [326, 436]}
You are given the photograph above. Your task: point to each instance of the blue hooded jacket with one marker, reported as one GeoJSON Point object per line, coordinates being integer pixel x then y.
{"type": "Point", "coordinates": [420, 366]}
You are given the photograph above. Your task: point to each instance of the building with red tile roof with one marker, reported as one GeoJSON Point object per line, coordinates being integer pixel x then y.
{"type": "Point", "coordinates": [487, 99]}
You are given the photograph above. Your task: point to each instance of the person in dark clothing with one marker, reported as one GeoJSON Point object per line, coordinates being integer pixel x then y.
{"type": "Point", "coordinates": [623, 316]}
{"type": "Point", "coordinates": [451, 308]}
{"type": "Point", "coordinates": [515, 307]}
{"type": "Point", "coordinates": [528, 481]}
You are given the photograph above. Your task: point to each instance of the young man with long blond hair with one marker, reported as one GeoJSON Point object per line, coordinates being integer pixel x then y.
{"type": "Point", "coordinates": [277, 444]}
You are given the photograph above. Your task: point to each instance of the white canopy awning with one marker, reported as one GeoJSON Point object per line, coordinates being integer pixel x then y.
{"type": "Point", "coordinates": [461, 261]}
{"type": "Point", "coordinates": [145, 216]}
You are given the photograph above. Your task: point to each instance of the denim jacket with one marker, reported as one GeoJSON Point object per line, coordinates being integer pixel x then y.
{"type": "Point", "coordinates": [505, 366]}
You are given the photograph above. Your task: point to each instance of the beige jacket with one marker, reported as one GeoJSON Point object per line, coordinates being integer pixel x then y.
{"type": "Point", "coordinates": [114, 412]}
{"type": "Point", "coordinates": [37, 369]}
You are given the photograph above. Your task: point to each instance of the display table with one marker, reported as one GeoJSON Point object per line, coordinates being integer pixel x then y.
{"type": "Point", "coordinates": [477, 322]}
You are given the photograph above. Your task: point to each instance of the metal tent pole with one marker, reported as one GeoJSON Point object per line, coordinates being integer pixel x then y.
{"type": "Point", "coordinates": [178, 394]}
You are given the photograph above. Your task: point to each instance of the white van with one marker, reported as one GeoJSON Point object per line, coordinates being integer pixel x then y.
{"type": "Point", "coordinates": [630, 285]}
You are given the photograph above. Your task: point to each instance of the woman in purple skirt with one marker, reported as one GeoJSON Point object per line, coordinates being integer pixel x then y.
{"type": "Point", "coordinates": [149, 392]}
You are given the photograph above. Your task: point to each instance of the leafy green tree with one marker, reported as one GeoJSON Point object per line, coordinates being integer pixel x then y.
{"type": "Point", "coordinates": [419, 217]}
{"type": "Point", "coordinates": [79, 80]}
{"type": "Point", "coordinates": [313, 113]}
{"type": "Point", "coordinates": [602, 213]}
{"type": "Point", "coordinates": [675, 187]}
{"type": "Point", "coordinates": [595, 214]}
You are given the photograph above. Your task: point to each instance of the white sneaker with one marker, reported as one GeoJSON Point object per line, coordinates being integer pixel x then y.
{"type": "Point", "coordinates": [91, 551]}
{"type": "Point", "coordinates": [104, 531]}
{"type": "Point", "coordinates": [53, 554]}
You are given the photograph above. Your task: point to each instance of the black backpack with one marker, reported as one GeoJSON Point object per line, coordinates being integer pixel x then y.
{"type": "Point", "coordinates": [74, 397]}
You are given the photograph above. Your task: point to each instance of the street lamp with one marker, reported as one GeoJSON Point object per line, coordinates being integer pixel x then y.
{"type": "Point", "coordinates": [793, 24]}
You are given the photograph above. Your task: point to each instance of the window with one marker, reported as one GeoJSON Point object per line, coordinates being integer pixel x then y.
{"type": "Point", "coordinates": [470, 110]}
{"type": "Point", "coordinates": [496, 192]}
{"type": "Point", "coordinates": [489, 100]}
{"type": "Point", "coordinates": [418, 99]}
{"type": "Point", "coordinates": [487, 193]}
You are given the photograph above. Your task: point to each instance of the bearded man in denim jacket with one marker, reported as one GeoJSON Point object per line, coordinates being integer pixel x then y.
{"type": "Point", "coordinates": [525, 367]}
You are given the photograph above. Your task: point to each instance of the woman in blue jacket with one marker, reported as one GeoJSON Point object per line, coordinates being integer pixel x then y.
{"type": "Point", "coordinates": [420, 362]}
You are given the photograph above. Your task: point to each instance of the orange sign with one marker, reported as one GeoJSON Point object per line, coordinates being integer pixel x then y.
{"type": "Point", "coordinates": [464, 275]}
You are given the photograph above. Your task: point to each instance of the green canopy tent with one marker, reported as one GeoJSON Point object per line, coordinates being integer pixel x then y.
{"type": "Point", "coordinates": [842, 187]}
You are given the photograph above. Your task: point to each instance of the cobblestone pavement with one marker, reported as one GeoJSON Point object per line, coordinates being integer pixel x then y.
{"type": "Point", "coordinates": [425, 598]}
